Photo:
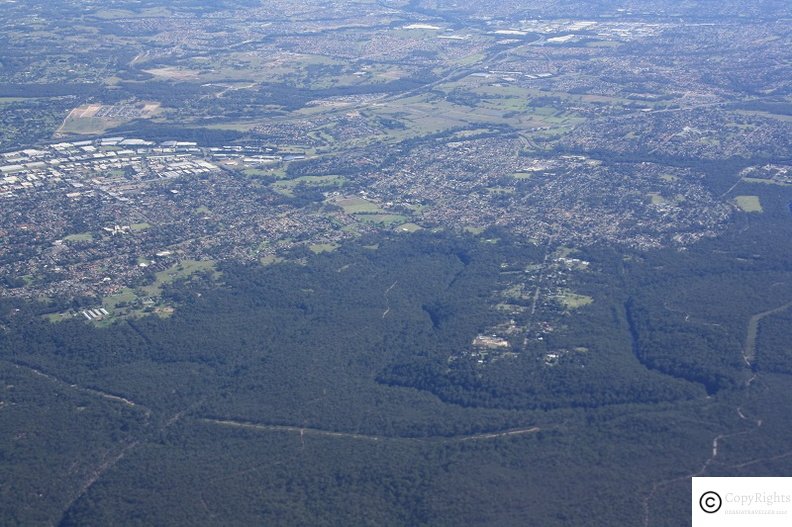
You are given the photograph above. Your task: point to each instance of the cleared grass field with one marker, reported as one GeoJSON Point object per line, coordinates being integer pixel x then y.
{"type": "Point", "coordinates": [355, 205]}
{"type": "Point", "coordinates": [470, 59]}
{"type": "Point", "coordinates": [571, 300]}
{"type": "Point", "coordinates": [270, 259]}
{"type": "Point", "coordinates": [180, 270]}
{"type": "Point", "coordinates": [10, 100]}
{"type": "Point", "coordinates": [80, 237]}
{"type": "Point", "coordinates": [87, 125]}
{"type": "Point", "coordinates": [279, 172]}
{"type": "Point", "coordinates": [173, 73]}
{"type": "Point", "coordinates": [748, 203]}
{"type": "Point", "coordinates": [323, 247]}
{"type": "Point", "coordinates": [383, 219]}
{"type": "Point", "coordinates": [58, 317]}
{"type": "Point", "coordinates": [286, 186]}
{"type": "Point", "coordinates": [125, 295]}
{"type": "Point", "coordinates": [408, 227]}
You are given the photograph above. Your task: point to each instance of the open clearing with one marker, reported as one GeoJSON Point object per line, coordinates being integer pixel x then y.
{"type": "Point", "coordinates": [173, 73]}
{"type": "Point", "coordinates": [180, 270]}
{"type": "Point", "coordinates": [318, 248]}
{"type": "Point", "coordinates": [383, 219]}
{"type": "Point", "coordinates": [286, 186]}
{"type": "Point", "coordinates": [355, 205]}
{"type": "Point", "coordinates": [96, 118]}
{"type": "Point", "coordinates": [571, 300]}
{"type": "Point", "coordinates": [408, 227]}
{"type": "Point", "coordinates": [748, 203]}
{"type": "Point", "coordinates": [80, 237]}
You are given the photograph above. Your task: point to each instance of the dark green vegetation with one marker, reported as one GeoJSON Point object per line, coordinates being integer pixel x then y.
{"type": "Point", "coordinates": [319, 394]}
{"type": "Point", "coordinates": [775, 348]}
